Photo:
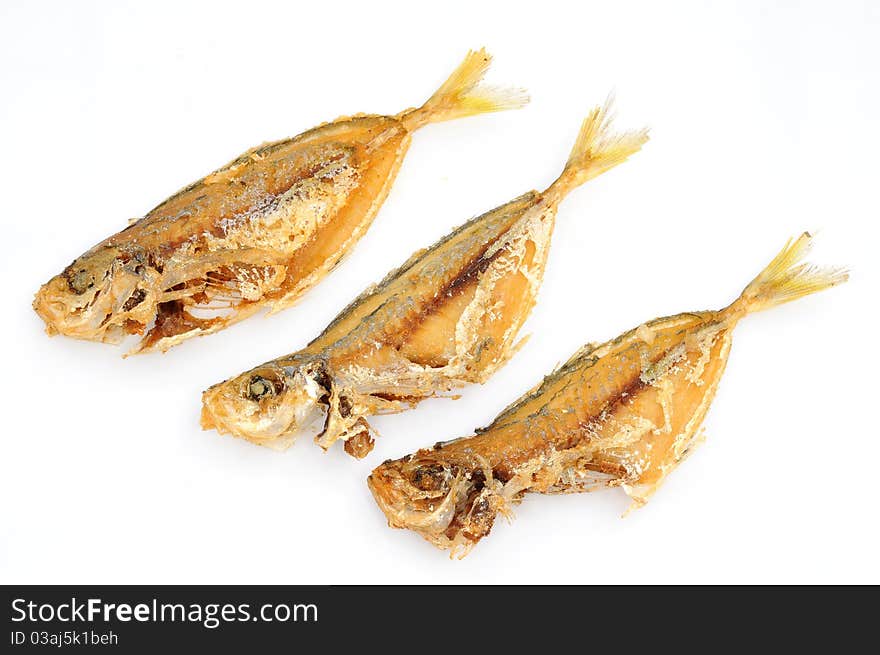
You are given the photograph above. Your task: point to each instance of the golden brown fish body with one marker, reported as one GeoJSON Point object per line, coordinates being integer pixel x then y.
{"type": "Point", "coordinates": [257, 233]}
{"type": "Point", "coordinates": [448, 317]}
{"type": "Point", "coordinates": [620, 414]}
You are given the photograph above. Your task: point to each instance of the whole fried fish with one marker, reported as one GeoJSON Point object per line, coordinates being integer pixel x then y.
{"type": "Point", "coordinates": [449, 316]}
{"type": "Point", "coordinates": [257, 233]}
{"type": "Point", "coordinates": [622, 414]}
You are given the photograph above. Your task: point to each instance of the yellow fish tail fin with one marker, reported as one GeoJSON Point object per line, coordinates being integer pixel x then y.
{"type": "Point", "coordinates": [786, 278]}
{"type": "Point", "coordinates": [462, 95]}
{"type": "Point", "coordinates": [597, 149]}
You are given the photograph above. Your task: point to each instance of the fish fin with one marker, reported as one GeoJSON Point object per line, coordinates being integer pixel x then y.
{"type": "Point", "coordinates": [596, 150]}
{"type": "Point", "coordinates": [786, 279]}
{"type": "Point", "coordinates": [461, 95]}
{"type": "Point", "coordinates": [347, 423]}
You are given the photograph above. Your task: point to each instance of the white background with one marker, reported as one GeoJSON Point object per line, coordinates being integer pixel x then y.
{"type": "Point", "coordinates": [764, 123]}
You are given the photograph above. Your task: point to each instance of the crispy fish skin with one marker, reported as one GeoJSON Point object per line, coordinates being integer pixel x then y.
{"type": "Point", "coordinates": [624, 413]}
{"type": "Point", "coordinates": [257, 233]}
{"type": "Point", "coordinates": [447, 317]}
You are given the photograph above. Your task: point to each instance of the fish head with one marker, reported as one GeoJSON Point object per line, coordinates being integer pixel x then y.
{"type": "Point", "coordinates": [267, 405]}
{"type": "Point", "coordinates": [418, 492]}
{"type": "Point", "coordinates": [102, 296]}
{"type": "Point", "coordinates": [453, 507]}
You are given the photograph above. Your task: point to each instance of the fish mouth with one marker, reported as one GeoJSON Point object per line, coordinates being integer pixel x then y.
{"type": "Point", "coordinates": [53, 312]}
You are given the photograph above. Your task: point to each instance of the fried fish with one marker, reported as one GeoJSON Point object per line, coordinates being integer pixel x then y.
{"type": "Point", "coordinates": [257, 233]}
{"type": "Point", "coordinates": [447, 317]}
{"type": "Point", "coordinates": [623, 413]}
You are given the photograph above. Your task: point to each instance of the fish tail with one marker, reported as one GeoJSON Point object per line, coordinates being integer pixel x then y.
{"type": "Point", "coordinates": [786, 279]}
{"type": "Point", "coordinates": [596, 150]}
{"type": "Point", "coordinates": [462, 95]}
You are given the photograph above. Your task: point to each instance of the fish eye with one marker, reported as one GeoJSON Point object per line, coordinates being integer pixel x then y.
{"type": "Point", "coordinates": [259, 387]}
{"type": "Point", "coordinates": [81, 281]}
{"type": "Point", "coordinates": [429, 477]}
